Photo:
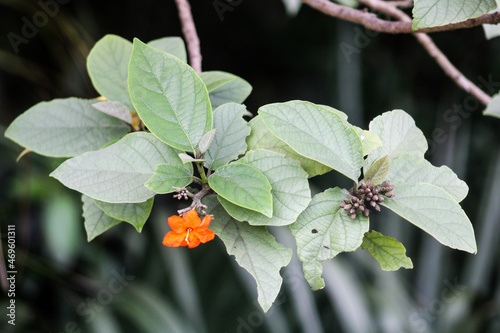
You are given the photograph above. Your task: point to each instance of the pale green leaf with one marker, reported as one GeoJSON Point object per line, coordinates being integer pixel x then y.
{"type": "Point", "coordinates": [410, 170]}
{"type": "Point", "coordinates": [243, 185]}
{"type": "Point", "coordinates": [173, 45]}
{"type": "Point", "coordinates": [316, 133]}
{"type": "Point", "coordinates": [390, 253]}
{"type": "Point", "coordinates": [377, 173]}
{"type": "Point", "coordinates": [205, 142]}
{"type": "Point", "coordinates": [134, 213]}
{"type": "Point", "coordinates": [369, 140]}
{"type": "Point", "coordinates": [169, 97]}
{"type": "Point", "coordinates": [434, 211]}
{"type": "Point", "coordinates": [115, 109]}
{"type": "Point", "coordinates": [324, 230]}
{"type": "Point", "coordinates": [433, 13]}
{"type": "Point", "coordinates": [398, 134]}
{"type": "Point", "coordinates": [229, 141]}
{"type": "Point", "coordinates": [189, 159]}
{"type": "Point", "coordinates": [491, 30]}
{"type": "Point", "coordinates": [493, 108]}
{"type": "Point", "coordinates": [118, 172]}
{"type": "Point", "coordinates": [168, 176]}
{"type": "Point", "coordinates": [225, 88]}
{"type": "Point", "coordinates": [96, 221]}
{"type": "Point", "coordinates": [254, 249]}
{"type": "Point", "coordinates": [64, 128]}
{"type": "Point", "coordinates": [290, 189]}
{"type": "Point", "coordinates": [292, 6]}
{"type": "Point", "coordinates": [261, 138]}
{"type": "Point", "coordinates": [107, 65]}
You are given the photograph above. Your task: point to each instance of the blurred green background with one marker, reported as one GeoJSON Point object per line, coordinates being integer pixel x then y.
{"type": "Point", "coordinates": [128, 282]}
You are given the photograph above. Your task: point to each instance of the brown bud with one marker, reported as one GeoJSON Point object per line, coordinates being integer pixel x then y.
{"type": "Point", "coordinates": [381, 199]}
{"type": "Point", "coordinates": [362, 208]}
{"type": "Point", "coordinates": [377, 208]}
{"type": "Point", "coordinates": [346, 200]}
{"type": "Point", "coordinates": [366, 213]}
{"type": "Point", "coordinates": [389, 194]}
{"type": "Point", "coordinates": [347, 207]}
{"type": "Point", "coordinates": [354, 199]}
{"type": "Point", "coordinates": [373, 203]}
{"type": "Point", "coordinates": [375, 190]}
{"type": "Point", "coordinates": [353, 216]}
{"type": "Point", "coordinates": [375, 198]}
{"type": "Point", "coordinates": [352, 211]}
{"type": "Point", "coordinates": [356, 205]}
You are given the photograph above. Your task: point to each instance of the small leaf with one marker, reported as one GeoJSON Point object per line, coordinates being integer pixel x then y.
{"type": "Point", "coordinates": [491, 30]}
{"type": "Point", "coordinates": [254, 248]}
{"type": "Point", "coordinates": [64, 128]}
{"type": "Point", "coordinates": [225, 88]}
{"type": "Point", "coordinates": [229, 141]}
{"type": "Point", "coordinates": [244, 186]}
{"type": "Point", "coordinates": [115, 109]}
{"type": "Point", "coordinates": [377, 173]}
{"type": "Point", "coordinates": [107, 65]}
{"type": "Point", "coordinates": [168, 176]}
{"type": "Point", "coordinates": [189, 159]}
{"type": "Point", "coordinates": [96, 221]}
{"type": "Point", "coordinates": [290, 189]}
{"type": "Point", "coordinates": [206, 141]}
{"type": "Point", "coordinates": [169, 97]}
{"type": "Point", "coordinates": [134, 213]}
{"type": "Point", "coordinates": [172, 45]}
{"type": "Point", "coordinates": [369, 140]}
{"type": "Point", "coordinates": [390, 253]}
{"type": "Point", "coordinates": [118, 172]}
{"type": "Point", "coordinates": [410, 170]}
{"type": "Point", "coordinates": [261, 138]}
{"type": "Point", "coordinates": [433, 210]}
{"type": "Point", "coordinates": [493, 108]}
{"type": "Point", "coordinates": [316, 133]}
{"type": "Point", "coordinates": [324, 230]}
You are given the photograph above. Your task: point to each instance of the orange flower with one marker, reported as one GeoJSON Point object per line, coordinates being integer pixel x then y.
{"type": "Point", "coordinates": [188, 230]}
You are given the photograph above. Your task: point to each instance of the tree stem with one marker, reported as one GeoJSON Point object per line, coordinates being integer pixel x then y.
{"type": "Point", "coordinates": [190, 34]}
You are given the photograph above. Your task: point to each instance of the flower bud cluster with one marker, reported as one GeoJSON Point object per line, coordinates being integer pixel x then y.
{"type": "Point", "coordinates": [366, 198]}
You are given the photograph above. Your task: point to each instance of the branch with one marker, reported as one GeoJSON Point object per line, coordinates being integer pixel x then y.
{"type": "Point", "coordinates": [450, 70]}
{"type": "Point", "coordinates": [189, 31]}
{"type": "Point", "coordinates": [372, 22]}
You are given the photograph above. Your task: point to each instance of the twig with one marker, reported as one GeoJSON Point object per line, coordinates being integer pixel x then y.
{"type": "Point", "coordinates": [372, 22]}
{"type": "Point", "coordinates": [189, 31]}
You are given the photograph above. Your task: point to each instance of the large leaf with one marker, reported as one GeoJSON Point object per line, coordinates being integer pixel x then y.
{"type": "Point", "coordinates": [317, 133]}
{"type": "Point", "coordinates": [254, 248]}
{"type": "Point", "coordinates": [324, 230]}
{"type": "Point", "coordinates": [168, 176]}
{"type": "Point", "coordinates": [169, 97]}
{"type": "Point", "coordinates": [410, 170]}
{"type": "Point", "coordinates": [225, 87]}
{"type": "Point", "coordinates": [390, 253]}
{"type": "Point", "coordinates": [261, 138]}
{"type": "Point", "coordinates": [244, 186]}
{"type": "Point", "coordinates": [64, 128]}
{"type": "Point", "coordinates": [118, 172]}
{"type": "Point", "coordinates": [134, 213]}
{"type": "Point", "coordinates": [434, 211]}
{"type": "Point", "coordinates": [229, 141]}
{"type": "Point", "coordinates": [399, 135]}
{"type": "Point", "coordinates": [96, 221]}
{"type": "Point", "coordinates": [107, 65]}
{"type": "Point", "coordinates": [432, 13]}
{"type": "Point", "coordinates": [493, 108]}
{"type": "Point", "coordinates": [173, 45]}
{"type": "Point", "coordinates": [290, 189]}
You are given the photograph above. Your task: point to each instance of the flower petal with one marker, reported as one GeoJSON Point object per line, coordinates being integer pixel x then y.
{"type": "Point", "coordinates": [204, 235]}
{"type": "Point", "coordinates": [193, 240]}
{"type": "Point", "coordinates": [177, 223]}
{"type": "Point", "coordinates": [206, 221]}
{"type": "Point", "coordinates": [175, 239]}
{"type": "Point", "coordinates": [191, 219]}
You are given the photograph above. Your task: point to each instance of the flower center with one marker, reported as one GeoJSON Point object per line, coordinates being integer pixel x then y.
{"type": "Point", "coordinates": [187, 234]}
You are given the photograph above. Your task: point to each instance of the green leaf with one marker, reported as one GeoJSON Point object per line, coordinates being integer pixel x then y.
{"type": "Point", "coordinates": [169, 97]}
{"type": "Point", "coordinates": [369, 140]}
{"type": "Point", "coordinates": [107, 65]}
{"type": "Point", "coordinates": [324, 230]}
{"type": "Point", "coordinates": [290, 189]}
{"type": "Point", "coordinates": [134, 213]}
{"type": "Point", "coordinates": [172, 45]}
{"type": "Point", "coordinates": [399, 135]}
{"type": "Point", "coordinates": [225, 88]}
{"type": "Point", "coordinates": [390, 253]}
{"type": "Point", "coordinates": [118, 172]}
{"type": "Point", "coordinates": [436, 212]}
{"type": "Point", "coordinates": [316, 133]}
{"type": "Point", "coordinates": [64, 128]}
{"type": "Point", "coordinates": [96, 221]}
{"type": "Point", "coordinates": [410, 170]}
{"type": "Point", "coordinates": [205, 142]}
{"type": "Point", "coordinates": [493, 108]}
{"type": "Point", "coordinates": [261, 138]}
{"type": "Point", "coordinates": [168, 176]}
{"type": "Point", "coordinates": [491, 30]}
{"type": "Point", "coordinates": [229, 141]}
{"type": "Point", "coordinates": [243, 185]}
{"type": "Point", "coordinates": [115, 109]}
{"type": "Point", "coordinates": [254, 248]}
{"type": "Point", "coordinates": [377, 173]}
{"type": "Point", "coordinates": [433, 13]}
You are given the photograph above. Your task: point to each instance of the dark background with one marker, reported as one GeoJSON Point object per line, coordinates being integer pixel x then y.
{"type": "Point", "coordinates": [63, 282]}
